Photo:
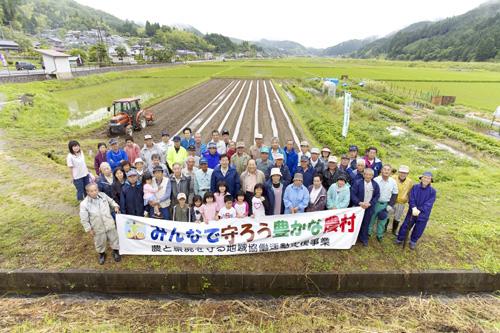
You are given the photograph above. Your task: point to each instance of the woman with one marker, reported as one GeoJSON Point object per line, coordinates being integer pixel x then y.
{"type": "Point", "coordinates": [118, 181]}
{"type": "Point", "coordinates": [325, 153]}
{"type": "Point", "coordinates": [317, 195]}
{"type": "Point", "coordinates": [77, 168]}
{"type": "Point", "coordinates": [105, 180]}
{"type": "Point", "coordinates": [339, 194]}
{"type": "Point", "coordinates": [100, 157]}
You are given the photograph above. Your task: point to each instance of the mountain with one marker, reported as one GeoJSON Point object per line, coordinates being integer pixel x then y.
{"type": "Point", "coordinates": [474, 35]}
{"type": "Point", "coordinates": [346, 48]}
{"type": "Point", "coordinates": [284, 47]}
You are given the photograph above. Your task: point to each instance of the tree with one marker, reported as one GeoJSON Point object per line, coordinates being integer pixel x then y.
{"type": "Point", "coordinates": [79, 52]}
{"type": "Point", "coordinates": [121, 51]}
{"type": "Point", "coordinates": [486, 49]}
{"type": "Point", "coordinates": [98, 53]}
{"type": "Point", "coordinates": [9, 9]}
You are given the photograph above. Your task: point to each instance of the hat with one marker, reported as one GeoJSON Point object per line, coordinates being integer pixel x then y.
{"type": "Point", "coordinates": [427, 173]}
{"type": "Point", "coordinates": [157, 168]}
{"type": "Point", "coordinates": [344, 157]}
{"type": "Point", "coordinates": [181, 196]}
{"type": "Point", "coordinates": [176, 138]}
{"type": "Point", "coordinates": [138, 160]}
{"type": "Point", "coordinates": [298, 176]}
{"type": "Point", "coordinates": [326, 149]}
{"type": "Point", "coordinates": [332, 159]}
{"type": "Point", "coordinates": [275, 171]}
{"type": "Point", "coordinates": [191, 147]}
{"type": "Point", "coordinates": [342, 177]}
{"type": "Point", "coordinates": [225, 131]}
{"type": "Point", "coordinates": [164, 133]}
{"type": "Point", "coordinates": [315, 151]}
{"type": "Point", "coordinates": [203, 161]}
{"type": "Point", "coordinates": [304, 158]}
{"type": "Point", "coordinates": [259, 136]}
{"type": "Point", "coordinates": [382, 215]}
{"type": "Point", "coordinates": [132, 172]}
{"type": "Point", "coordinates": [304, 144]}
{"type": "Point", "coordinates": [113, 141]}
{"type": "Point", "coordinates": [240, 144]}
{"type": "Point", "coordinates": [148, 136]}
{"type": "Point", "coordinates": [404, 168]}
{"type": "Point", "coordinates": [279, 156]}
{"type": "Point", "coordinates": [212, 145]}
{"type": "Point", "coordinates": [353, 148]}
{"type": "Point", "coordinates": [264, 150]}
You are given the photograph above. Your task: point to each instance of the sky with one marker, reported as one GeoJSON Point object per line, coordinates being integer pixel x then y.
{"type": "Point", "coordinates": [313, 23]}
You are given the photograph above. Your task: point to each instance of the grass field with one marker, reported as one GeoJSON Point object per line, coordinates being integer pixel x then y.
{"type": "Point", "coordinates": [39, 210]}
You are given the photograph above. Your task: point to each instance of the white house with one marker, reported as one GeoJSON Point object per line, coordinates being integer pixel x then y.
{"type": "Point", "coordinates": [56, 63]}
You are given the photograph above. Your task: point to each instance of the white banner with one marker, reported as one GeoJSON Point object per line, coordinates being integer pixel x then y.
{"type": "Point", "coordinates": [330, 229]}
{"type": "Point", "coordinates": [347, 113]}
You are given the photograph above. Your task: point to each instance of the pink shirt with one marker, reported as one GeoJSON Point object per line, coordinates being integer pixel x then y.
{"type": "Point", "coordinates": [132, 152]}
{"type": "Point", "coordinates": [219, 200]}
{"type": "Point", "coordinates": [241, 209]}
{"type": "Point", "coordinates": [208, 211]}
{"type": "Point", "coordinates": [250, 181]}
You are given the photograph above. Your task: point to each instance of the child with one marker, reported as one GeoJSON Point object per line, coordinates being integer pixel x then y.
{"type": "Point", "coordinates": [219, 196]}
{"type": "Point", "coordinates": [241, 205]}
{"type": "Point", "coordinates": [228, 211]}
{"type": "Point", "coordinates": [197, 202]}
{"type": "Point", "coordinates": [150, 192]}
{"type": "Point", "coordinates": [259, 203]}
{"type": "Point", "coordinates": [182, 212]}
{"type": "Point", "coordinates": [209, 207]}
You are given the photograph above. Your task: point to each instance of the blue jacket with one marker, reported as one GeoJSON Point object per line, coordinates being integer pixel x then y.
{"type": "Point", "coordinates": [423, 198]}
{"type": "Point", "coordinates": [286, 178]}
{"type": "Point", "coordinates": [104, 186]}
{"type": "Point", "coordinates": [280, 150]}
{"type": "Point", "coordinates": [186, 143]}
{"type": "Point", "coordinates": [358, 193]}
{"type": "Point", "coordinates": [232, 180]}
{"type": "Point", "coordinates": [295, 197]}
{"type": "Point", "coordinates": [132, 200]}
{"type": "Point", "coordinates": [114, 159]}
{"type": "Point", "coordinates": [292, 161]}
{"type": "Point", "coordinates": [212, 160]}
{"type": "Point", "coordinates": [308, 175]}
{"type": "Point", "coordinates": [376, 166]}
{"type": "Point", "coordinates": [271, 198]}
{"type": "Point", "coordinates": [354, 175]}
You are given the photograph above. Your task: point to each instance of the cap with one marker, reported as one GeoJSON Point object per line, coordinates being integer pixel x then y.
{"type": "Point", "coordinates": [148, 136]}
{"type": "Point", "coordinates": [240, 144]}
{"type": "Point", "coordinates": [353, 148]}
{"type": "Point", "coordinates": [191, 148]}
{"type": "Point", "coordinates": [181, 196]}
{"type": "Point", "coordinates": [404, 168]}
{"type": "Point", "coordinates": [259, 136]}
{"type": "Point", "coordinates": [157, 168]}
{"type": "Point", "coordinates": [225, 131]}
{"type": "Point", "coordinates": [344, 157]}
{"type": "Point", "coordinates": [275, 171]}
{"type": "Point", "coordinates": [298, 176]}
{"type": "Point", "coordinates": [203, 161]}
{"type": "Point", "coordinates": [326, 149]}
{"type": "Point", "coordinates": [176, 138]}
{"type": "Point", "coordinates": [304, 158]}
{"type": "Point", "coordinates": [113, 141]}
{"type": "Point", "coordinates": [138, 160]}
{"type": "Point", "coordinates": [164, 133]}
{"type": "Point", "coordinates": [264, 150]}
{"type": "Point", "coordinates": [132, 172]}
{"type": "Point", "coordinates": [427, 173]}
{"type": "Point", "coordinates": [304, 144]}
{"type": "Point", "coordinates": [315, 151]}
{"type": "Point", "coordinates": [212, 145]}
{"type": "Point", "coordinates": [332, 159]}
{"type": "Point", "coordinates": [279, 156]}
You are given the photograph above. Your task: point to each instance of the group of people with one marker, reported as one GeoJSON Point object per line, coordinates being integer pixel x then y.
{"type": "Point", "coordinates": [185, 179]}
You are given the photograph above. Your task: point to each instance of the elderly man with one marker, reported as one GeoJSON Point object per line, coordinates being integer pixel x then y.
{"type": "Point", "coordinates": [156, 161]}
{"type": "Point", "coordinates": [296, 197]}
{"type": "Point", "coordinates": [306, 171]}
{"type": "Point", "coordinates": [365, 194]}
{"type": "Point", "coordinates": [202, 178]}
{"type": "Point", "coordinates": [176, 154]}
{"type": "Point", "coordinates": [344, 163]}
{"type": "Point", "coordinates": [315, 162]}
{"type": "Point", "coordinates": [199, 146]}
{"type": "Point", "coordinates": [189, 170]}
{"type": "Point", "coordinates": [165, 143]}
{"type": "Point", "coordinates": [191, 151]}
{"type": "Point", "coordinates": [388, 193]}
{"type": "Point", "coordinates": [275, 190]}
{"type": "Point", "coordinates": [96, 219]}
{"type": "Point", "coordinates": [404, 186]}
{"type": "Point", "coordinates": [264, 163]}
{"type": "Point", "coordinates": [188, 139]}
{"type": "Point", "coordinates": [291, 156]}
{"type": "Point", "coordinates": [212, 156]}
{"type": "Point", "coordinates": [149, 149]}
{"type": "Point", "coordinates": [422, 198]}
{"type": "Point", "coordinates": [115, 155]}
{"type": "Point", "coordinates": [163, 192]}
{"type": "Point", "coordinates": [220, 144]}
{"type": "Point", "coordinates": [304, 151]}
{"type": "Point", "coordinates": [357, 173]}
{"type": "Point", "coordinates": [255, 149]}
{"type": "Point", "coordinates": [241, 158]}
{"type": "Point", "coordinates": [249, 178]}
{"type": "Point", "coordinates": [279, 162]}
{"type": "Point", "coordinates": [227, 173]}
{"type": "Point", "coordinates": [332, 173]}
{"type": "Point", "coordinates": [179, 184]}
{"type": "Point", "coordinates": [131, 198]}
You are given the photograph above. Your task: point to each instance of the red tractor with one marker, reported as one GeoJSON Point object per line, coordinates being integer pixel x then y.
{"type": "Point", "coordinates": [129, 117]}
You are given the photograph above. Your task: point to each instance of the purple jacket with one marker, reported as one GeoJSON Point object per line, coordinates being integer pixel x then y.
{"type": "Point", "coordinates": [98, 159]}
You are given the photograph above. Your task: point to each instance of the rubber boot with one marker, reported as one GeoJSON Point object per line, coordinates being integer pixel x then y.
{"type": "Point", "coordinates": [102, 258]}
{"type": "Point", "coordinates": [395, 225]}
{"type": "Point", "coordinates": [116, 256]}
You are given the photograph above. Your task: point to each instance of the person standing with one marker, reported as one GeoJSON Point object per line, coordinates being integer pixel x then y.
{"type": "Point", "coordinates": [255, 149]}
{"type": "Point", "coordinates": [385, 204]}
{"type": "Point", "coordinates": [292, 158]}
{"type": "Point", "coordinates": [315, 161]}
{"type": "Point", "coordinates": [317, 195]}
{"type": "Point", "coordinates": [404, 186]}
{"type": "Point", "coordinates": [165, 143]}
{"type": "Point", "coordinates": [372, 161]}
{"type": "Point", "coordinates": [325, 153]}
{"type": "Point", "coordinates": [275, 149]}
{"type": "Point", "coordinates": [421, 201]}
{"type": "Point", "coordinates": [100, 157]}
{"type": "Point", "coordinates": [296, 197]}
{"type": "Point", "coordinates": [212, 156]}
{"type": "Point", "coordinates": [191, 151]}
{"type": "Point", "coordinates": [163, 189]}
{"type": "Point", "coordinates": [132, 196]}
{"type": "Point", "coordinates": [188, 139]}
{"type": "Point", "coordinates": [332, 172]}
{"type": "Point", "coordinates": [179, 184]}
{"type": "Point", "coordinates": [353, 156]}
{"type": "Point", "coordinates": [199, 147]}
{"type": "Point", "coordinates": [285, 172]}
{"type": "Point", "coordinates": [304, 151]}
{"type": "Point", "coordinates": [115, 156]}
{"type": "Point", "coordinates": [264, 163]}
{"type": "Point", "coordinates": [249, 178]}
{"type": "Point", "coordinates": [220, 144]}
{"type": "Point", "coordinates": [105, 180]}
{"type": "Point", "coordinates": [80, 175]}
{"type": "Point", "coordinates": [202, 179]}
{"type": "Point", "coordinates": [119, 179]}
{"type": "Point", "coordinates": [149, 149]}
{"type": "Point", "coordinates": [97, 220]}
{"type": "Point", "coordinates": [189, 171]}
{"type": "Point", "coordinates": [225, 172]}
{"type": "Point", "coordinates": [357, 173]}
{"type": "Point", "coordinates": [132, 149]}
{"type": "Point", "coordinates": [306, 171]}
{"type": "Point", "coordinates": [241, 158]}
{"type": "Point", "coordinates": [176, 154]}
{"type": "Point", "coordinates": [275, 190]}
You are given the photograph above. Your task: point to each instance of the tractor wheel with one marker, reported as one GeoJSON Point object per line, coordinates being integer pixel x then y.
{"type": "Point", "coordinates": [143, 123]}
{"type": "Point", "coordinates": [129, 130]}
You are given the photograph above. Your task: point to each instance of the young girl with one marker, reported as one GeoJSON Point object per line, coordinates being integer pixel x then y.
{"type": "Point", "coordinates": [219, 196]}
{"type": "Point", "coordinates": [241, 205]}
{"type": "Point", "coordinates": [260, 205]}
{"type": "Point", "coordinates": [197, 202]}
{"type": "Point", "coordinates": [77, 168]}
{"type": "Point", "coordinates": [228, 211]}
{"type": "Point", "coordinates": [150, 192]}
{"type": "Point", "coordinates": [209, 208]}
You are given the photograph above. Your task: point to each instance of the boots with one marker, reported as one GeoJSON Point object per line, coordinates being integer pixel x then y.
{"type": "Point", "coordinates": [102, 258]}
{"type": "Point", "coordinates": [395, 225]}
{"type": "Point", "coordinates": [116, 256]}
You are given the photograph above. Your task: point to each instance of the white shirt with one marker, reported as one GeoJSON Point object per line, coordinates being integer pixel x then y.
{"type": "Point", "coordinates": [225, 213]}
{"type": "Point", "coordinates": [387, 188]}
{"type": "Point", "coordinates": [314, 194]}
{"type": "Point", "coordinates": [368, 191]}
{"type": "Point", "coordinates": [258, 209]}
{"type": "Point", "coordinates": [77, 165]}
{"type": "Point", "coordinates": [221, 146]}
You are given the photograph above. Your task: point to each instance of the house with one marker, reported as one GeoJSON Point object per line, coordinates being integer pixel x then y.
{"type": "Point", "coordinates": [56, 63]}
{"type": "Point", "coordinates": [8, 45]}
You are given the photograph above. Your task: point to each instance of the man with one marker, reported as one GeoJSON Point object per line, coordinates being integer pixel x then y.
{"type": "Point", "coordinates": [241, 158]}
{"type": "Point", "coordinates": [163, 192]}
{"type": "Point", "coordinates": [220, 144]}
{"type": "Point", "coordinates": [115, 156]}
{"type": "Point", "coordinates": [344, 163]}
{"type": "Point", "coordinates": [388, 193]}
{"type": "Point", "coordinates": [296, 197]}
{"type": "Point", "coordinates": [165, 144]}
{"type": "Point", "coordinates": [189, 171]}
{"type": "Point", "coordinates": [131, 197]}
{"type": "Point", "coordinates": [202, 178]}
{"type": "Point", "coordinates": [356, 174]}
{"type": "Point", "coordinates": [422, 198]}
{"type": "Point", "coordinates": [304, 151]}
{"type": "Point", "coordinates": [292, 158]}
{"type": "Point", "coordinates": [188, 139]}
{"type": "Point", "coordinates": [264, 163]}
{"type": "Point", "coordinates": [306, 171]}
{"type": "Point", "coordinates": [332, 173]}
{"type": "Point", "coordinates": [176, 154]}
{"type": "Point", "coordinates": [96, 219]}
{"type": "Point", "coordinates": [404, 186]}
{"type": "Point", "coordinates": [255, 149]}
{"type": "Point", "coordinates": [225, 137]}
{"type": "Point", "coordinates": [248, 179]}
{"type": "Point", "coordinates": [275, 190]}
{"type": "Point", "coordinates": [149, 149]}
{"type": "Point", "coordinates": [315, 161]}
{"type": "Point", "coordinates": [191, 151]}
{"type": "Point", "coordinates": [179, 184]}
{"type": "Point", "coordinates": [353, 156]}
{"type": "Point", "coordinates": [156, 161]}
{"type": "Point", "coordinates": [132, 149]}
{"type": "Point", "coordinates": [276, 149]}
{"type": "Point", "coordinates": [279, 163]}
{"type": "Point", "coordinates": [212, 156]}
{"type": "Point", "coordinates": [365, 194]}
{"type": "Point", "coordinates": [227, 173]}
{"type": "Point", "coordinates": [372, 162]}
{"type": "Point", "coordinates": [199, 146]}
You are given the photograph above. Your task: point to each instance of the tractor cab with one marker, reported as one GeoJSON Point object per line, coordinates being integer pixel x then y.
{"type": "Point", "coordinates": [128, 116]}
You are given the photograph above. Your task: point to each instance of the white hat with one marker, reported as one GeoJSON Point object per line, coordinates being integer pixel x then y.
{"type": "Point", "coordinates": [181, 196]}
{"type": "Point", "coordinates": [304, 144]}
{"type": "Point", "coordinates": [259, 136]}
{"type": "Point", "coordinates": [404, 168]}
{"type": "Point", "coordinates": [332, 159]}
{"type": "Point", "coordinates": [279, 156]}
{"type": "Point", "coordinates": [148, 136]}
{"type": "Point", "coordinates": [275, 171]}
{"type": "Point", "coordinates": [326, 149]}
{"type": "Point", "coordinates": [315, 151]}
{"type": "Point", "coordinates": [138, 160]}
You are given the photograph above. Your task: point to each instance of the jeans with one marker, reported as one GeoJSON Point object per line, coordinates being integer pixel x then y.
{"type": "Point", "coordinates": [80, 184]}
